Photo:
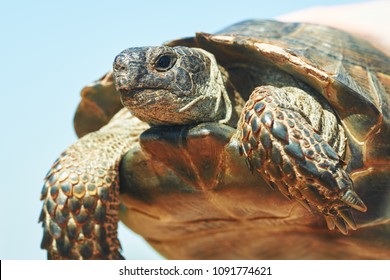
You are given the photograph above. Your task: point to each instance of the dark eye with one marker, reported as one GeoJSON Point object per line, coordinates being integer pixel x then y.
{"type": "Point", "coordinates": [165, 62]}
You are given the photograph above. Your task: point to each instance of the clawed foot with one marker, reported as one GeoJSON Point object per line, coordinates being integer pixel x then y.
{"type": "Point", "coordinates": [283, 146]}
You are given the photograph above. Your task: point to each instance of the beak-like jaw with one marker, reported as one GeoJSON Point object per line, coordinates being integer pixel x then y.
{"type": "Point", "coordinates": [132, 68]}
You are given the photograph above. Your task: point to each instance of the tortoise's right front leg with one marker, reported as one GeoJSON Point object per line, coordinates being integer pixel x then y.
{"type": "Point", "coordinates": [81, 193]}
{"type": "Point", "coordinates": [286, 149]}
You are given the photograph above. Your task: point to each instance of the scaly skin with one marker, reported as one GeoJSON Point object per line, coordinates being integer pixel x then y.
{"type": "Point", "coordinates": [81, 193]}
{"type": "Point", "coordinates": [277, 139]}
{"type": "Point", "coordinates": [280, 144]}
{"type": "Point", "coordinates": [179, 86]}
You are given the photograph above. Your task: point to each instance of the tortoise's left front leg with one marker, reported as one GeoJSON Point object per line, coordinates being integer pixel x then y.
{"type": "Point", "coordinates": [283, 146]}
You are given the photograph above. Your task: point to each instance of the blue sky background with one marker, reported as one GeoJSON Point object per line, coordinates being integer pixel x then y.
{"type": "Point", "coordinates": [49, 50]}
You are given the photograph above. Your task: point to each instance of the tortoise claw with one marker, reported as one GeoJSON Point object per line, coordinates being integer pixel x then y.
{"type": "Point", "coordinates": [81, 196]}
{"type": "Point", "coordinates": [347, 216]}
{"type": "Point", "coordinates": [306, 205]}
{"type": "Point", "coordinates": [296, 159]}
{"type": "Point", "coordinates": [330, 222]}
{"type": "Point", "coordinates": [352, 199]}
{"type": "Point", "coordinates": [340, 224]}
{"type": "Point", "coordinates": [343, 221]}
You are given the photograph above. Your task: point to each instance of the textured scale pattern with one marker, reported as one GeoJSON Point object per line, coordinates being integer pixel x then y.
{"type": "Point", "coordinates": [281, 145]}
{"type": "Point", "coordinates": [81, 193]}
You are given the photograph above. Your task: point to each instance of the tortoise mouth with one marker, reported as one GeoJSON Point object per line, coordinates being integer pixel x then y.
{"type": "Point", "coordinates": [129, 91]}
{"type": "Point", "coordinates": [141, 97]}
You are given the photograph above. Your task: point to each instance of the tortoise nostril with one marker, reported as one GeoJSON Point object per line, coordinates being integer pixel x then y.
{"type": "Point", "coordinates": [120, 62]}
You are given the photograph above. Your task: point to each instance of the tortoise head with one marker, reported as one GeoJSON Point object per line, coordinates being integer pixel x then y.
{"type": "Point", "coordinates": [165, 85]}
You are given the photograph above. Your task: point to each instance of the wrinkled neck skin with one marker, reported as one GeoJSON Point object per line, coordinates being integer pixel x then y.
{"type": "Point", "coordinates": [214, 104]}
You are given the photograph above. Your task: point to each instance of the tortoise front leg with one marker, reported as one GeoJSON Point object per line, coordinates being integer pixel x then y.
{"type": "Point", "coordinates": [289, 153]}
{"type": "Point", "coordinates": [81, 193]}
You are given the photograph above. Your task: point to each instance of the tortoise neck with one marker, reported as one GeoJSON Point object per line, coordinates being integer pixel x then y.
{"type": "Point", "coordinates": [232, 100]}
{"type": "Point", "coordinates": [224, 103]}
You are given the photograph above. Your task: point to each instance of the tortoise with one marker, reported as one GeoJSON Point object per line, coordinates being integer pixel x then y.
{"type": "Point", "coordinates": [266, 140]}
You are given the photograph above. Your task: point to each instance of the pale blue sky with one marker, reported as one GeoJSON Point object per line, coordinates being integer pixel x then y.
{"type": "Point", "coordinates": [49, 50]}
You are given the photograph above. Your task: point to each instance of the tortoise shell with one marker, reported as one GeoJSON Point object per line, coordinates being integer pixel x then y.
{"type": "Point", "coordinates": [189, 194]}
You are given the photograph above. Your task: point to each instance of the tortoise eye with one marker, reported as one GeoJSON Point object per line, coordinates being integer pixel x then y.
{"type": "Point", "coordinates": [165, 62]}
